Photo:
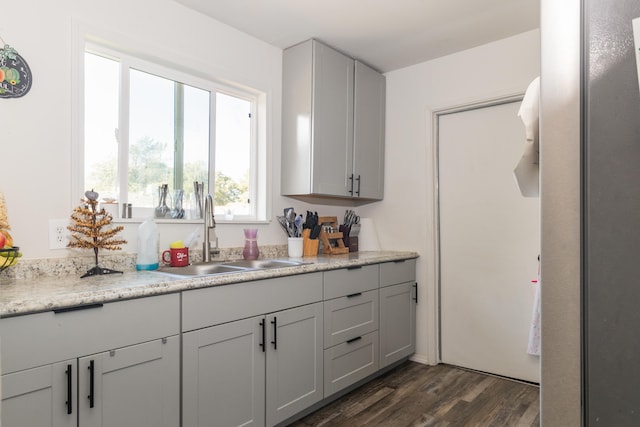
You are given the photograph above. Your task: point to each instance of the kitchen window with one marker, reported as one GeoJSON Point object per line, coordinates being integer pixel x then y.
{"type": "Point", "coordinates": [151, 132]}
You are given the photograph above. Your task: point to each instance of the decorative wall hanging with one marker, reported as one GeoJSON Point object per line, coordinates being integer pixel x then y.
{"type": "Point", "coordinates": [15, 74]}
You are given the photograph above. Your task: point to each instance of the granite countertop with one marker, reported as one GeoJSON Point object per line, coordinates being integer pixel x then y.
{"type": "Point", "coordinates": [26, 296]}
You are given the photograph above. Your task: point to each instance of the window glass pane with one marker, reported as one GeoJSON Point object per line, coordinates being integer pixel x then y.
{"type": "Point", "coordinates": [102, 83]}
{"type": "Point", "coordinates": [233, 155]}
{"type": "Point", "coordinates": [151, 136]}
{"type": "Point", "coordinates": [169, 137]}
{"type": "Point", "coordinates": [196, 137]}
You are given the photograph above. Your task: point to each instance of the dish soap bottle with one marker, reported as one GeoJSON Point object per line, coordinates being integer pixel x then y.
{"type": "Point", "coordinates": [148, 245]}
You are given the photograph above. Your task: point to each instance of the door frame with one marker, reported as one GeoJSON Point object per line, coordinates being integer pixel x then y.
{"type": "Point", "coordinates": [435, 118]}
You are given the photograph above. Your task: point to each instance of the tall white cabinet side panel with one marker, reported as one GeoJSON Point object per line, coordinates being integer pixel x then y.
{"type": "Point", "coordinates": [369, 128]}
{"type": "Point", "coordinates": [332, 121]}
{"type": "Point", "coordinates": [297, 90]}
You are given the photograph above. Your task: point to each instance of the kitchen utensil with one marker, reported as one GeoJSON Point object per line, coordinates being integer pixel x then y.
{"type": "Point", "coordinates": [298, 224]}
{"type": "Point", "coordinates": [162, 209]}
{"type": "Point", "coordinates": [177, 211]}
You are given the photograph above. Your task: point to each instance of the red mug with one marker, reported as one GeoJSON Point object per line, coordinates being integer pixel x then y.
{"type": "Point", "coordinates": [176, 257]}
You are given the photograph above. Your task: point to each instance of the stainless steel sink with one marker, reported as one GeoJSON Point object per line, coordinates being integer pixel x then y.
{"type": "Point", "coordinates": [202, 269]}
{"type": "Point", "coordinates": [228, 267]}
{"type": "Point", "coordinates": [263, 264]}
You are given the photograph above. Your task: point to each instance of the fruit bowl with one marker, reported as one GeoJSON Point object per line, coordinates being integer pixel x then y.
{"type": "Point", "coordinates": [8, 257]}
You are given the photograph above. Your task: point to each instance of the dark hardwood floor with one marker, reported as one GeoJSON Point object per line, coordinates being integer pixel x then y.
{"type": "Point", "coordinates": [418, 395]}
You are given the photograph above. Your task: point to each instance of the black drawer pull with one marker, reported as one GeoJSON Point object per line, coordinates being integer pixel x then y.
{"type": "Point", "coordinates": [354, 340]}
{"type": "Point", "coordinates": [69, 401]}
{"type": "Point", "coordinates": [399, 261]}
{"type": "Point", "coordinates": [354, 267]}
{"type": "Point", "coordinates": [416, 297]}
{"type": "Point", "coordinates": [274, 322]}
{"type": "Point", "coordinates": [91, 383]}
{"type": "Point", "coordinates": [77, 308]}
{"type": "Point", "coordinates": [357, 294]}
{"type": "Point", "coordinates": [263, 328]}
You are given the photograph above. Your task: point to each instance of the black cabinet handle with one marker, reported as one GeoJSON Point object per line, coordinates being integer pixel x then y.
{"type": "Point", "coordinates": [263, 327]}
{"type": "Point", "coordinates": [357, 294]}
{"type": "Point", "coordinates": [353, 340]}
{"type": "Point", "coordinates": [91, 385]}
{"type": "Point", "coordinates": [354, 267]}
{"type": "Point", "coordinates": [416, 297]}
{"type": "Point", "coordinates": [351, 179]}
{"type": "Point", "coordinates": [399, 261]}
{"type": "Point", "coordinates": [69, 401]}
{"type": "Point", "coordinates": [274, 322]}
{"type": "Point", "coordinates": [358, 179]}
{"type": "Point", "coordinates": [77, 308]}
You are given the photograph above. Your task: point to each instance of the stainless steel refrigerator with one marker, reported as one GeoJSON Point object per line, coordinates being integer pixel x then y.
{"type": "Point", "coordinates": [611, 215]}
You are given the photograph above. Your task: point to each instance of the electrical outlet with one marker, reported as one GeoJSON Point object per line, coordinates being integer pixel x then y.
{"type": "Point", "coordinates": [58, 233]}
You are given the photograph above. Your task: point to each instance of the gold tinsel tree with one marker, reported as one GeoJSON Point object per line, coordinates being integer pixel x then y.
{"type": "Point", "coordinates": [91, 229]}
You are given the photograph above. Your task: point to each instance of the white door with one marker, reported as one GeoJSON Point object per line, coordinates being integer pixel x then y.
{"type": "Point", "coordinates": [489, 243]}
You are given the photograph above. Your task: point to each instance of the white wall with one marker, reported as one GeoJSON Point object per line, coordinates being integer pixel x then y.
{"type": "Point", "coordinates": [405, 219]}
{"type": "Point", "coordinates": [36, 131]}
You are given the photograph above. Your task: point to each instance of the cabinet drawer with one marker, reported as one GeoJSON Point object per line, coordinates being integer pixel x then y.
{"type": "Point", "coordinates": [339, 283]}
{"type": "Point", "coordinates": [221, 304]}
{"type": "Point", "coordinates": [349, 362]}
{"type": "Point", "coordinates": [392, 273]}
{"type": "Point", "coordinates": [38, 339]}
{"type": "Point", "coordinates": [349, 317]}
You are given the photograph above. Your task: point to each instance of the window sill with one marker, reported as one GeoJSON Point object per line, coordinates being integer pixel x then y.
{"type": "Point", "coordinates": [139, 220]}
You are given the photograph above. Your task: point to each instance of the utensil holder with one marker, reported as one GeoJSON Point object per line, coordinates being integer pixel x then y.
{"type": "Point", "coordinates": [295, 247]}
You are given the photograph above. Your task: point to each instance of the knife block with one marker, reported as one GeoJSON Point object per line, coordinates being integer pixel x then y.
{"type": "Point", "coordinates": [333, 243]}
{"type": "Point", "coordinates": [309, 246]}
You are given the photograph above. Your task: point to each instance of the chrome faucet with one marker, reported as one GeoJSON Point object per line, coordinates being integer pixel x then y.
{"type": "Point", "coordinates": [209, 226]}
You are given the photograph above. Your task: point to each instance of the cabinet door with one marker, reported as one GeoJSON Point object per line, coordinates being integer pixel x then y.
{"type": "Point", "coordinates": [294, 361]}
{"type": "Point", "coordinates": [224, 374]}
{"type": "Point", "coordinates": [397, 322]}
{"type": "Point", "coordinates": [332, 121]}
{"type": "Point", "coordinates": [368, 134]}
{"type": "Point", "coordinates": [40, 397]}
{"type": "Point", "coordinates": [132, 386]}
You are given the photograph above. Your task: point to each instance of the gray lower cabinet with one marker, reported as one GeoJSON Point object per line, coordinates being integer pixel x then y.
{"type": "Point", "coordinates": [132, 386]}
{"type": "Point", "coordinates": [350, 326]}
{"type": "Point", "coordinates": [294, 361]}
{"type": "Point", "coordinates": [229, 369]}
{"type": "Point", "coordinates": [252, 351]}
{"type": "Point", "coordinates": [111, 365]}
{"type": "Point", "coordinates": [40, 397]}
{"type": "Point", "coordinates": [224, 374]}
{"type": "Point", "coordinates": [398, 299]}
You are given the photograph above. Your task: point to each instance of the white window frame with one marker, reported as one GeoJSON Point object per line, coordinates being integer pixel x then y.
{"type": "Point", "coordinates": [259, 154]}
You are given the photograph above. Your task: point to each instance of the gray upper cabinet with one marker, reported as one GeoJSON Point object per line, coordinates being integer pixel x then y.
{"type": "Point", "coordinates": [368, 132]}
{"type": "Point", "coordinates": [332, 125]}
